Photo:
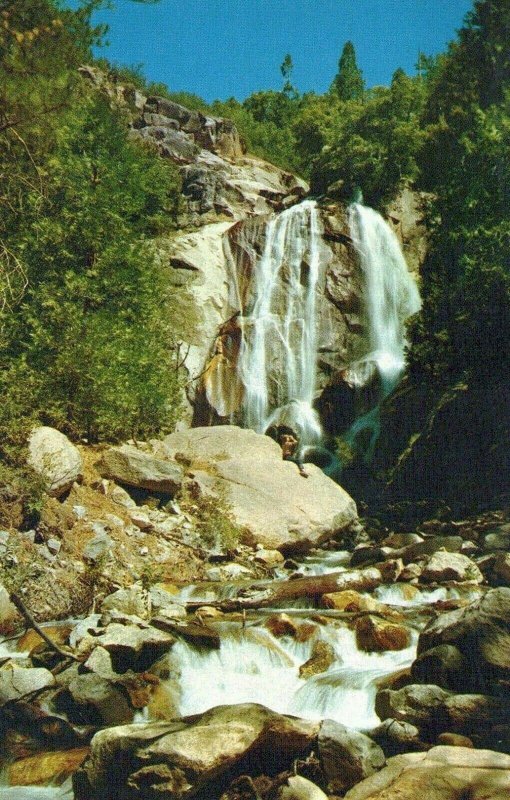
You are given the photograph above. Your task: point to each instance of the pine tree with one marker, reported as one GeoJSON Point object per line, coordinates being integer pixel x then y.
{"type": "Point", "coordinates": [348, 83]}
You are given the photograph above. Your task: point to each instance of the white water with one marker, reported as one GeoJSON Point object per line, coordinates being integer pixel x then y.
{"type": "Point", "coordinates": [277, 361]}
{"type": "Point", "coordinates": [391, 297]}
{"type": "Point", "coordinates": [254, 666]}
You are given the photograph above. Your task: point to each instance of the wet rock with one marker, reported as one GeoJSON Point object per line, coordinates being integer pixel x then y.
{"type": "Point", "coordinates": [132, 647]}
{"type": "Point", "coordinates": [94, 700]}
{"type": "Point", "coordinates": [30, 639]}
{"type": "Point", "coordinates": [281, 625]}
{"type": "Point", "coordinates": [179, 759]}
{"type": "Point", "coordinates": [321, 659]}
{"type": "Point", "coordinates": [451, 544]}
{"type": "Point", "coordinates": [269, 500]}
{"type": "Point", "coordinates": [413, 704]}
{"type": "Point", "coordinates": [133, 600]}
{"type": "Point", "coordinates": [17, 682]}
{"type": "Point", "coordinates": [443, 666]}
{"type": "Point", "coordinates": [52, 455]}
{"type": "Point", "coordinates": [481, 632]}
{"type": "Point", "coordinates": [133, 467]}
{"type": "Point", "coordinates": [299, 788]}
{"type": "Point", "coordinates": [347, 756]}
{"type": "Point", "coordinates": [443, 567]}
{"type": "Point", "coordinates": [374, 635]}
{"type": "Point", "coordinates": [368, 555]}
{"type": "Point", "coordinates": [349, 600]}
{"type": "Point", "coordinates": [199, 634]}
{"type": "Point", "coordinates": [46, 768]}
{"type": "Point", "coordinates": [443, 773]}
{"type": "Point", "coordinates": [395, 736]}
{"type": "Point", "coordinates": [501, 568]}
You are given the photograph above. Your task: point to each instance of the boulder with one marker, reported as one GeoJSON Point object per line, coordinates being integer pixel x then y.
{"type": "Point", "coordinates": [179, 759]}
{"type": "Point", "coordinates": [299, 788]}
{"type": "Point", "coordinates": [374, 635]}
{"type": "Point", "coordinates": [347, 756]}
{"type": "Point", "coordinates": [7, 610]}
{"type": "Point", "coordinates": [92, 699]}
{"type": "Point", "coordinates": [132, 647]}
{"type": "Point", "coordinates": [52, 456]}
{"type": "Point", "coordinates": [443, 566]}
{"type": "Point", "coordinates": [133, 467]}
{"type": "Point", "coordinates": [267, 497]}
{"type": "Point", "coordinates": [322, 657]}
{"type": "Point", "coordinates": [481, 632]}
{"type": "Point", "coordinates": [349, 600]}
{"type": "Point", "coordinates": [17, 682]}
{"type": "Point", "coordinates": [443, 666]}
{"type": "Point", "coordinates": [395, 736]}
{"type": "Point", "coordinates": [132, 601]}
{"type": "Point", "coordinates": [46, 768]}
{"type": "Point", "coordinates": [412, 552]}
{"type": "Point", "coordinates": [443, 773]}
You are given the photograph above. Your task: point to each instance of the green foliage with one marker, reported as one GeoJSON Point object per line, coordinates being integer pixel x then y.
{"type": "Point", "coordinates": [213, 518]}
{"type": "Point", "coordinates": [348, 83]}
{"type": "Point", "coordinates": [86, 340]}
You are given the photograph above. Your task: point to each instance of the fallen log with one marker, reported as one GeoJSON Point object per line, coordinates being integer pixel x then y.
{"type": "Point", "coordinates": [361, 580]}
{"type": "Point", "coordinates": [25, 613]}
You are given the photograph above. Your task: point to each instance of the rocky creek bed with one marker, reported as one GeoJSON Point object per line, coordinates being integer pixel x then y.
{"type": "Point", "coordinates": [332, 658]}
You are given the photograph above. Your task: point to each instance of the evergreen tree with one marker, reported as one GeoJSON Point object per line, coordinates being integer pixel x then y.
{"type": "Point", "coordinates": [348, 84]}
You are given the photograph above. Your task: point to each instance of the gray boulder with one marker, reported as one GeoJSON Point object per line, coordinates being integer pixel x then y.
{"type": "Point", "coordinates": [179, 759]}
{"type": "Point", "coordinates": [347, 756]}
{"type": "Point", "coordinates": [52, 455]}
{"type": "Point", "coordinates": [443, 773]}
{"type": "Point", "coordinates": [17, 682]}
{"type": "Point", "coordinates": [96, 700]}
{"type": "Point", "coordinates": [444, 566]}
{"type": "Point", "coordinates": [133, 467]}
{"type": "Point", "coordinates": [267, 497]}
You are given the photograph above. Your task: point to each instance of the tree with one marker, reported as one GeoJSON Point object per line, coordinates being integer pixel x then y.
{"type": "Point", "coordinates": [286, 68]}
{"type": "Point", "coordinates": [348, 84]}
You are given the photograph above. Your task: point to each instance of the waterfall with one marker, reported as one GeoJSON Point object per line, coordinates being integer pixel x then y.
{"type": "Point", "coordinates": [391, 296]}
{"type": "Point", "coordinates": [277, 361]}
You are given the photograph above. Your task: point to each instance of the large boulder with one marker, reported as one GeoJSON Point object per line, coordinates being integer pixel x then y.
{"type": "Point", "coordinates": [444, 566]}
{"type": "Point", "coordinates": [17, 682]}
{"type": "Point", "coordinates": [131, 466]}
{"type": "Point", "coordinates": [347, 756]}
{"type": "Point", "coordinates": [481, 632]}
{"type": "Point", "coordinates": [443, 773]}
{"type": "Point", "coordinates": [179, 759]}
{"type": "Point", "coordinates": [55, 458]}
{"type": "Point", "coordinates": [267, 497]}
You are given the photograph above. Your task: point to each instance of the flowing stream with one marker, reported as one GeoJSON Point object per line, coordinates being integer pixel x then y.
{"type": "Point", "coordinates": [277, 362]}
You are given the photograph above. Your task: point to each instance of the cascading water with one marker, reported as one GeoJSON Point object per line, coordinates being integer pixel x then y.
{"type": "Point", "coordinates": [277, 361]}
{"type": "Point", "coordinates": [391, 297]}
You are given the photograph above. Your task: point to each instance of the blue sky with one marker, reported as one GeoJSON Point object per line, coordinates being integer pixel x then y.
{"type": "Point", "coordinates": [224, 48]}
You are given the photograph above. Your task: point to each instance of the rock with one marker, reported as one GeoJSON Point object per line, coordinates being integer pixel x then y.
{"type": "Point", "coordinates": [349, 600]}
{"type": "Point", "coordinates": [181, 758]}
{"type": "Point", "coordinates": [199, 634]}
{"type": "Point", "coordinates": [499, 540]}
{"type": "Point", "coordinates": [97, 548]}
{"type": "Point", "coordinates": [374, 635]}
{"type": "Point", "coordinates": [442, 567]}
{"type": "Point", "coordinates": [347, 756]}
{"type": "Point", "coordinates": [121, 497]}
{"type": "Point", "coordinates": [451, 544]}
{"type": "Point", "coordinates": [228, 572]}
{"type": "Point", "coordinates": [7, 610]}
{"type": "Point", "coordinates": [323, 656]}
{"type": "Point", "coordinates": [141, 519]}
{"type": "Point", "coordinates": [163, 601]}
{"type": "Point", "coordinates": [299, 788]}
{"type": "Point", "coordinates": [481, 632]}
{"type": "Point", "coordinates": [395, 736]}
{"type": "Point", "coordinates": [281, 625]}
{"type": "Point", "coordinates": [131, 646]}
{"type": "Point", "coordinates": [399, 540]}
{"type": "Point", "coordinates": [443, 666]}
{"type": "Point", "coordinates": [17, 682]}
{"type": "Point", "coordinates": [133, 600]}
{"type": "Point", "coordinates": [94, 700]}
{"type": "Point", "coordinates": [501, 568]}
{"type": "Point", "coordinates": [443, 773]}
{"type": "Point", "coordinates": [454, 740]}
{"type": "Point", "coordinates": [267, 497]}
{"type": "Point", "coordinates": [269, 558]}
{"type": "Point", "coordinates": [434, 710]}
{"type": "Point", "coordinates": [46, 768]}
{"type": "Point", "coordinates": [52, 456]}
{"type": "Point", "coordinates": [133, 467]}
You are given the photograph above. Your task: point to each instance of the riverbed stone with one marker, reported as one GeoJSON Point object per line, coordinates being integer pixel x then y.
{"type": "Point", "coordinates": [267, 497]}
{"type": "Point", "coordinates": [17, 682]}
{"type": "Point", "coordinates": [443, 666]}
{"type": "Point", "coordinates": [443, 566]}
{"type": "Point", "coordinates": [46, 768]}
{"type": "Point", "coordinates": [179, 759]}
{"type": "Point", "coordinates": [374, 635]}
{"type": "Point", "coordinates": [347, 756]}
{"type": "Point", "coordinates": [299, 788]}
{"type": "Point", "coordinates": [93, 699]}
{"type": "Point", "coordinates": [443, 773]}
{"type": "Point", "coordinates": [55, 458]}
{"type": "Point", "coordinates": [322, 657]}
